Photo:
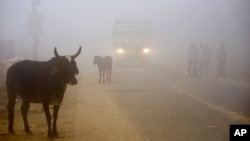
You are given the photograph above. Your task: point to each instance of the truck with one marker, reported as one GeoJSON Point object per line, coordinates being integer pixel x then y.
{"type": "Point", "coordinates": [132, 41]}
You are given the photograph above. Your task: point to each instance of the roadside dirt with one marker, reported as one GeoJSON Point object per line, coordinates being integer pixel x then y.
{"type": "Point", "coordinates": [87, 113]}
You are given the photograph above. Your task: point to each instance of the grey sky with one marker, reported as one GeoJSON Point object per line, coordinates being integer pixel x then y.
{"type": "Point", "coordinates": [69, 23]}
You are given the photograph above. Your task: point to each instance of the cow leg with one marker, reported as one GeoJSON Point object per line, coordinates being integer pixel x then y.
{"type": "Point", "coordinates": [103, 76]}
{"type": "Point", "coordinates": [110, 69]}
{"type": "Point", "coordinates": [55, 115]}
{"type": "Point", "coordinates": [48, 118]}
{"type": "Point", "coordinates": [100, 75]}
{"type": "Point", "coordinates": [24, 108]}
{"type": "Point", "coordinates": [107, 75]}
{"type": "Point", "coordinates": [10, 106]}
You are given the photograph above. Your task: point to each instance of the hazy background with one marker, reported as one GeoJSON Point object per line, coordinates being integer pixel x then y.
{"type": "Point", "coordinates": [175, 23]}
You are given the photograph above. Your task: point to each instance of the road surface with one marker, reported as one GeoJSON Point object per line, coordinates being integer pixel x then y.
{"type": "Point", "coordinates": [141, 104]}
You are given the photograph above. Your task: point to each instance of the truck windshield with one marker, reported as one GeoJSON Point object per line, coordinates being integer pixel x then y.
{"type": "Point", "coordinates": [132, 32]}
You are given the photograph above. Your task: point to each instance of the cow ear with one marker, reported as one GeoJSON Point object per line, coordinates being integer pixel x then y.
{"type": "Point", "coordinates": [55, 71]}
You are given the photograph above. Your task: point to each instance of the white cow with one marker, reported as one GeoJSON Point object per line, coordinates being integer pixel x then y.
{"type": "Point", "coordinates": [4, 66]}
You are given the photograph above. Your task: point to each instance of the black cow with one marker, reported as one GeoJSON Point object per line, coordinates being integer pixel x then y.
{"type": "Point", "coordinates": [104, 64]}
{"type": "Point", "coordinates": [40, 82]}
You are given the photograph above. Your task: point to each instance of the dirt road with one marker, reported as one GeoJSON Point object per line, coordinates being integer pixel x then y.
{"type": "Point", "coordinates": [141, 104]}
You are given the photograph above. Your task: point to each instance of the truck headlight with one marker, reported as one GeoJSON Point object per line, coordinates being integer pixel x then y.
{"type": "Point", "coordinates": [146, 50]}
{"type": "Point", "coordinates": [120, 51]}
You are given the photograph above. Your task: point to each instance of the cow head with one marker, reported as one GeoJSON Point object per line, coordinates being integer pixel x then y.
{"type": "Point", "coordinates": [67, 67]}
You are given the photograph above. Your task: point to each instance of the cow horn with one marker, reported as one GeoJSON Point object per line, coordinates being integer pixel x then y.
{"type": "Point", "coordinates": [78, 52]}
{"type": "Point", "coordinates": [55, 52]}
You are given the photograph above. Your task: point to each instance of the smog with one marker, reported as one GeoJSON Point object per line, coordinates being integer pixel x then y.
{"type": "Point", "coordinates": [174, 63]}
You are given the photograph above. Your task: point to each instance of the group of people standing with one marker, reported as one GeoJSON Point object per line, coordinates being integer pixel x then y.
{"type": "Point", "coordinates": [199, 58]}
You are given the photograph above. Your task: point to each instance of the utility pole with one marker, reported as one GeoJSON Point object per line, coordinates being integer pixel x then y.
{"type": "Point", "coordinates": [35, 38]}
{"type": "Point", "coordinates": [35, 27]}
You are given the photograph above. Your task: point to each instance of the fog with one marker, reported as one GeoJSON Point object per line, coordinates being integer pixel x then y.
{"type": "Point", "coordinates": [68, 24]}
{"type": "Point", "coordinates": [156, 100]}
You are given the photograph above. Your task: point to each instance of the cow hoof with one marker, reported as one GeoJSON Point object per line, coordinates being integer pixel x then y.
{"type": "Point", "coordinates": [29, 133]}
{"type": "Point", "coordinates": [50, 135]}
{"type": "Point", "coordinates": [12, 133]}
{"type": "Point", "coordinates": [50, 139]}
{"type": "Point", "coordinates": [55, 135]}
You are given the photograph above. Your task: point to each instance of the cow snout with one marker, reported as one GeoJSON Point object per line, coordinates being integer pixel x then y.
{"type": "Point", "coordinates": [73, 82]}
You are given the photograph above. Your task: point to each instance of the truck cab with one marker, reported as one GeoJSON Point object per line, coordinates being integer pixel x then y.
{"type": "Point", "coordinates": [132, 42]}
